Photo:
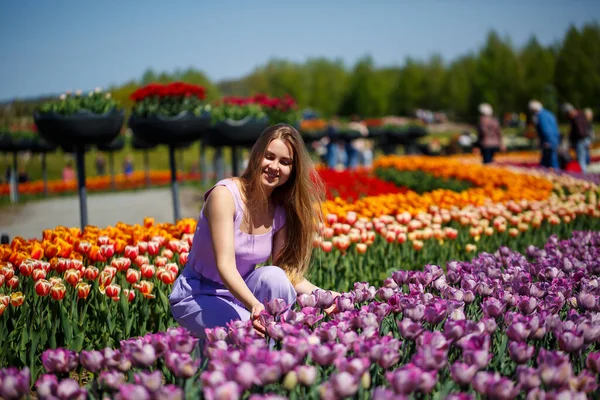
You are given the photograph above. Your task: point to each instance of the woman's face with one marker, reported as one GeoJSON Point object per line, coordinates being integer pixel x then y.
{"type": "Point", "coordinates": [277, 164]}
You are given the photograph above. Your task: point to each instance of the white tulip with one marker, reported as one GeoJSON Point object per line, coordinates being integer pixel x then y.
{"type": "Point", "coordinates": [63, 96]}
{"type": "Point", "coordinates": [78, 92]}
{"type": "Point", "coordinates": [98, 89]}
{"type": "Point", "coordinates": [90, 94]}
{"type": "Point", "coordinates": [107, 96]}
{"type": "Point", "coordinates": [68, 92]}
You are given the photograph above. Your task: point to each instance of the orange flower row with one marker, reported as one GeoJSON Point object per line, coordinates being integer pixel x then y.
{"type": "Point", "coordinates": [495, 185]}
{"type": "Point", "coordinates": [134, 181]}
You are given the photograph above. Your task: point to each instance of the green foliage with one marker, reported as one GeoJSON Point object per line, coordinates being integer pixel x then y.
{"type": "Point", "coordinates": [96, 102]}
{"type": "Point", "coordinates": [223, 111]}
{"type": "Point", "coordinates": [421, 182]}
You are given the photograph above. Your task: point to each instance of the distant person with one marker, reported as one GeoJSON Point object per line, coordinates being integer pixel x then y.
{"type": "Point", "coordinates": [23, 176]}
{"type": "Point", "coordinates": [489, 134]}
{"type": "Point", "coordinates": [589, 115]}
{"type": "Point", "coordinates": [68, 173]}
{"type": "Point", "coordinates": [579, 135]}
{"type": "Point", "coordinates": [100, 165]}
{"type": "Point", "coordinates": [335, 145]}
{"type": "Point", "coordinates": [355, 148]}
{"type": "Point", "coordinates": [549, 135]}
{"type": "Point", "coordinates": [128, 165]}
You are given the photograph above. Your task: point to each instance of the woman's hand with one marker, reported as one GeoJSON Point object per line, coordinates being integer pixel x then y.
{"type": "Point", "coordinates": [257, 308]}
{"type": "Point", "coordinates": [333, 309]}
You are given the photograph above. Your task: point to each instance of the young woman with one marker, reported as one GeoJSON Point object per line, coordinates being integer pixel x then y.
{"type": "Point", "coordinates": [271, 211]}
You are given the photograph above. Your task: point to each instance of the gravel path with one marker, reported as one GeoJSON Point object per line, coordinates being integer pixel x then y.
{"type": "Point", "coordinates": [30, 219]}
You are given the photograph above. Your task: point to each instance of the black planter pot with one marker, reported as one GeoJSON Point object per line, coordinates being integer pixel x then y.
{"type": "Point", "coordinates": [407, 135]}
{"type": "Point", "coordinates": [115, 145]}
{"type": "Point", "coordinates": [12, 144]}
{"type": "Point", "coordinates": [40, 146]}
{"type": "Point", "coordinates": [82, 128]}
{"type": "Point", "coordinates": [313, 136]}
{"type": "Point", "coordinates": [376, 132]}
{"type": "Point", "coordinates": [349, 135]}
{"type": "Point", "coordinates": [185, 127]}
{"type": "Point", "coordinates": [237, 133]}
{"type": "Point", "coordinates": [139, 144]}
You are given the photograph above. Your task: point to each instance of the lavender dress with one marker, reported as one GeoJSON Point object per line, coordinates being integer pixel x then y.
{"type": "Point", "coordinates": [199, 299]}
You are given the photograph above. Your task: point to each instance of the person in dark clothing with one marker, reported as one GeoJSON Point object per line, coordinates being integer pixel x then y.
{"type": "Point", "coordinates": [489, 134]}
{"type": "Point", "coordinates": [579, 135]}
{"type": "Point", "coordinates": [548, 132]}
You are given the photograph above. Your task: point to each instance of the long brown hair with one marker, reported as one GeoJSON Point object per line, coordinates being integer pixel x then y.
{"type": "Point", "coordinates": [301, 196]}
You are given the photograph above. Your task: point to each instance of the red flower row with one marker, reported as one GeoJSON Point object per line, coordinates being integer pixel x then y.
{"type": "Point", "coordinates": [284, 104]}
{"type": "Point", "coordinates": [352, 185]}
{"type": "Point", "coordinates": [174, 89]}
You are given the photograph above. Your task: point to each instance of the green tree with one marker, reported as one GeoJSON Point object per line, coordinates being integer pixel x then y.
{"type": "Point", "coordinates": [326, 86]}
{"type": "Point", "coordinates": [366, 91]}
{"type": "Point", "coordinates": [538, 64]}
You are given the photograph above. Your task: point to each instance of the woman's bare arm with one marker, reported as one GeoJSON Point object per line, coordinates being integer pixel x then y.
{"type": "Point", "coordinates": [220, 209]}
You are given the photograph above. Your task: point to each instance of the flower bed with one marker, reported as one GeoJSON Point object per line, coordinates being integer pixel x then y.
{"type": "Point", "coordinates": [503, 325]}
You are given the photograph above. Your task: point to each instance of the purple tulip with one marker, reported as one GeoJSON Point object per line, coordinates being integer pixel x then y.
{"type": "Point", "coordinates": [436, 312]}
{"type": "Point", "coordinates": [68, 389]}
{"type": "Point", "coordinates": [459, 396]}
{"type": "Point", "coordinates": [570, 341]}
{"type": "Point", "coordinates": [59, 361]}
{"type": "Point", "coordinates": [111, 379]}
{"type": "Point", "coordinates": [216, 333]}
{"type": "Point", "coordinates": [181, 365]}
{"type": "Point", "coordinates": [324, 298]}
{"type": "Point", "coordinates": [114, 359]}
{"type": "Point", "coordinates": [226, 391]}
{"type": "Point", "coordinates": [415, 312]}
{"type": "Point", "coordinates": [593, 362]}
{"type": "Point", "coordinates": [405, 380]}
{"type": "Point", "coordinates": [169, 392]}
{"type": "Point", "coordinates": [91, 360]}
{"type": "Point", "coordinates": [344, 383]}
{"type": "Point", "coordinates": [345, 302]}
{"type": "Point", "coordinates": [182, 343]}
{"type": "Point", "coordinates": [492, 307]}
{"type": "Point", "coordinates": [212, 378]}
{"type": "Point", "coordinates": [385, 293]}
{"type": "Point", "coordinates": [584, 382]}
{"type": "Point", "coordinates": [518, 331]}
{"type": "Point", "coordinates": [463, 373]}
{"type": "Point", "coordinates": [267, 374]}
{"type": "Point", "coordinates": [355, 366]}
{"type": "Point", "coordinates": [520, 352]}
{"type": "Point", "coordinates": [591, 332]}
{"type": "Point", "coordinates": [556, 376]}
{"type": "Point", "coordinates": [307, 300]}
{"type": "Point", "coordinates": [152, 381]}
{"type": "Point", "coordinates": [400, 277]}
{"type": "Point", "coordinates": [409, 329]}
{"type": "Point", "coordinates": [276, 307]}
{"type": "Point", "coordinates": [143, 356]}
{"type": "Point", "coordinates": [528, 378]}
{"type": "Point", "coordinates": [382, 393]}
{"type": "Point", "coordinates": [468, 296]}
{"type": "Point", "coordinates": [46, 386]}
{"type": "Point", "coordinates": [14, 383]}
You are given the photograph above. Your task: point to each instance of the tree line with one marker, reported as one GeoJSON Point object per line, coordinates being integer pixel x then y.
{"type": "Point", "coordinates": [498, 73]}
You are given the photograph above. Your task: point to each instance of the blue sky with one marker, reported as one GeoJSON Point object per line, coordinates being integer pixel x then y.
{"type": "Point", "coordinates": [49, 46]}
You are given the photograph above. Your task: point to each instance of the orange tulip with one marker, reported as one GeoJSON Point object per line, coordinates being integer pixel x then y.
{"type": "Point", "coordinates": [133, 275]}
{"type": "Point", "coordinates": [58, 291]}
{"type": "Point", "coordinates": [83, 290]}
{"type": "Point", "coordinates": [13, 282]}
{"type": "Point", "coordinates": [17, 299]}
{"type": "Point", "coordinates": [145, 289]}
{"type": "Point", "coordinates": [42, 287]}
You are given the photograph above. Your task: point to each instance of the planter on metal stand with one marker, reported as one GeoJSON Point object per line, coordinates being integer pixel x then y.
{"type": "Point", "coordinates": [175, 132]}
{"type": "Point", "coordinates": [76, 132]}
{"type": "Point", "coordinates": [110, 148]}
{"type": "Point", "coordinates": [42, 147]}
{"type": "Point", "coordinates": [138, 144]}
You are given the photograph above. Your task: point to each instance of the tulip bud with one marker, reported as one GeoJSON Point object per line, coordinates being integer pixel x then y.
{"type": "Point", "coordinates": [16, 299]}
{"type": "Point", "coordinates": [290, 381]}
{"type": "Point", "coordinates": [113, 290]}
{"type": "Point", "coordinates": [72, 277]}
{"type": "Point", "coordinates": [83, 290]}
{"type": "Point", "coordinates": [37, 274]}
{"type": "Point", "coordinates": [58, 291]}
{"type": "Point", "coordinates": [13, 283]}
{"type": "Point", "coordinates": [133, 275]}
{"type": "Point", "coordinates": [91, 273]}
{"type": "Point", "coordinates": [42, 287]}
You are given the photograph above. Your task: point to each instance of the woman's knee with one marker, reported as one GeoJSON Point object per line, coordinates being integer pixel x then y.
{"type": "Point", "coordinates": [273, 282]}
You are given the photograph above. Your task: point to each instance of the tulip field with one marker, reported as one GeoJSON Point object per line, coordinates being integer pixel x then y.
{"type": "Point", "coordinates": [458, 281]}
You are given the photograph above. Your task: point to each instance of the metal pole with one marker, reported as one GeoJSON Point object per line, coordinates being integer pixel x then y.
{"type": "Point", "coordinates": [174, 184]}
{"type": "Point", "coordinates": [15, 177]}
{"type": "Point", "coordinates": [45, 173]}
{"type": "Point", "coordinates": [235, 163]}
{"type": "Point", "coordinates": [203, 164]}
{"type": "Point", "coordinates": [83, 214]}
{"type": "Point", "coordinates": [219, 162]}
{"type": "Point", "coordinates": [111, 161]}
{"type": "Point", "coordinates": [147, 167]}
